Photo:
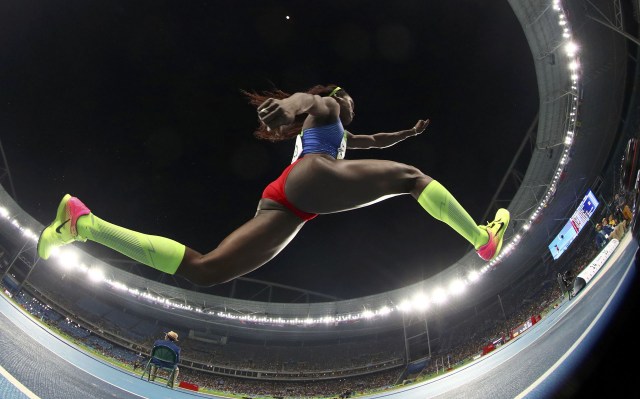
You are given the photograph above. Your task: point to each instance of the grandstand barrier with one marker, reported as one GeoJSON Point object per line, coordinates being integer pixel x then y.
{"type": "Point", "coordinates": [525, 326]}
{"type": "Point", "coordinates": [596, 264]}
{"type": "Point", "coordinates": [493, 344]}
{"type": "Point", "coordinates": [188, 385]}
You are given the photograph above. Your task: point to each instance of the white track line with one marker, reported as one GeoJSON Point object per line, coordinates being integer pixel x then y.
{"type": "Point", "coordinates": [578, 341]}
{"type": "Point", "coordinates": [18, 384]}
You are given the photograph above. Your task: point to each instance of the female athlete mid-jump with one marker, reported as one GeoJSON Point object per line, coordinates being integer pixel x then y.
{"type": "Point", "coordinates": [318, 181]}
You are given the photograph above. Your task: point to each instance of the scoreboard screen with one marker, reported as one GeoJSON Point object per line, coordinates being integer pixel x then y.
{"type": "Point", "coordinates": [574, 226]}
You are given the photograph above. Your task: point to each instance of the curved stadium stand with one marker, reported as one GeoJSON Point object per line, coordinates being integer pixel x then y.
{"type": "Point", "coordinates": [258, 358]}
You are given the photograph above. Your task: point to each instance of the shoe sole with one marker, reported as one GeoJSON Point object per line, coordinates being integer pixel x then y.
{"type": "Point", "coordinates": [61, 213]}
{"type": "Point", "coordinates": [502, 231]}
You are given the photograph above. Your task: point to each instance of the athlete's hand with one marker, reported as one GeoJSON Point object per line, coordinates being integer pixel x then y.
{"type": "Point", "coordinates": [420, 126]}
{"type": "Point", "coordinates": [275, 113]}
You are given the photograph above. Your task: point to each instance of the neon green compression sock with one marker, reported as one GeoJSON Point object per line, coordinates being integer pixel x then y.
{"type": "Point", "coordinates": [440, 204]}
{"type": "Point", "coordinates": [158, 252]}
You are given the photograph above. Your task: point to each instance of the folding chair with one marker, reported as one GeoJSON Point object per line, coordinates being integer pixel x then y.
{"type": "Point", "coordinates": [163, 358]}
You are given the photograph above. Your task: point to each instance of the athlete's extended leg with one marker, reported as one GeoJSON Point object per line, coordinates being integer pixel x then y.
{"type": "Point", "coordinates": [249, 247]}
{"type": "Point", "coordinates": [320, 184]}
{"type": "Point", "coordinates": [75, 222]}
{"type": "Point", "coordinates": [487, 239]}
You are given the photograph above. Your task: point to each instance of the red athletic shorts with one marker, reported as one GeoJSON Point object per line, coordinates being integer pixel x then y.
{"type": "Point", "coordinates": [275, 192]}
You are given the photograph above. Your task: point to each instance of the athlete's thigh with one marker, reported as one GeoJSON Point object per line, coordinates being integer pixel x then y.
{"type": "Point", "coordinates": [259, 239]}
{"type": "Point", "coordinates": [321, 185]}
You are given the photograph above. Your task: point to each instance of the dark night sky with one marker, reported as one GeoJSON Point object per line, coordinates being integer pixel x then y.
{"type": "Point", "coordinates": [135, 107]}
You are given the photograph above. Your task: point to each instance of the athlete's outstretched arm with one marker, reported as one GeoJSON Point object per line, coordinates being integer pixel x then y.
{"type": "Point", "coordinates": [382, 140]}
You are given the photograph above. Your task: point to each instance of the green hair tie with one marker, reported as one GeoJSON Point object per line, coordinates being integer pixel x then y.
{"type": "Point", "coordinates": [337, 89]}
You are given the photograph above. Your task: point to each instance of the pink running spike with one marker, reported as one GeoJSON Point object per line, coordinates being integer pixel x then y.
{"type": "Point", "coordinates": [75, 209]}
{"type": "Point", "coordinates": [487, 251]}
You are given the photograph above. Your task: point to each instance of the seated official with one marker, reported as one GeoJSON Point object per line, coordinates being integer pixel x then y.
{"type": "Point", "coordinates": [169, 341]}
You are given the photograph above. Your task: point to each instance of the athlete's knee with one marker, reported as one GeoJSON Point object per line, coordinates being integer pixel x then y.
{"type": "Point", "coordinates": [414, 179]}
{"type": "Point", "coordinates": [421, 183]}
{"type": "Point", "coordinates": [204, 271]}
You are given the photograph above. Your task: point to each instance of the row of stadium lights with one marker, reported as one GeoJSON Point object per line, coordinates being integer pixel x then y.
{"type": "Point", "coordinates": [421, 302]}
{"type": "Point", "coordinates": [571, 50]}
{"type": "Point", "coordinates": [69, 260]}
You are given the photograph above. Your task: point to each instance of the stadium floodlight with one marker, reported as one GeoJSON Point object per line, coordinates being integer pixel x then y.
{"type": "Point", "coordinates": [385, 310]}
{"type": "Point", "coordinates": [439, 296]}
{"type": "Point", "coordinates": [68, 259]}
{"type": "Point", "coordinates": [420, 301]}
{"type": "Point", "coordinates": [405, 306]}
{"type": "Point", "coordinates": [4, 212]}
{"type": "Point", "coordinates": [508, 249]}
{"type": "Point", "coordinates": [571, 48]}
{"type": "Point", "coordinates": [29, 234]}
{"type": "Point", "coordinates": [473, 276]}
{"type": "Point", "coordinates": [457, 286]}
{"type": "Point", "coordinates": [96, 274]}
{"type": "Point", "coordinates": [118, 285]}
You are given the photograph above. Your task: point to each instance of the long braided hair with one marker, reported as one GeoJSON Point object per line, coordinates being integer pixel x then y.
{"type": "Point", "coordinates": [292, 130]}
